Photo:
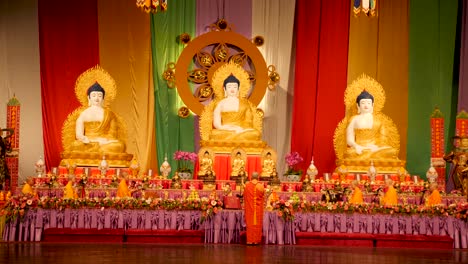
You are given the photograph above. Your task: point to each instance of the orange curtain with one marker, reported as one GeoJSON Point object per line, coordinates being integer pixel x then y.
{"type": "Point", "coordinates": [125, 52]}
{"type": "Point", "coordinates": [378, 47]}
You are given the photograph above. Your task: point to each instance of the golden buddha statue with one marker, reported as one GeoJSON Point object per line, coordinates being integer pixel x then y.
{"type": "Point", "coordinates": [459, 157]}
{"type": "Point", "coordinates": [231, 120]}
{"type": "Point", "coordinates": [238, 161]}
{"type": "Point", "coordinates": [268, 163]}
{"type": "Point", "coordinates": [93, 130]}
{"type": "Point", "coordinates": [366, 134]}
{"type": "Point", "coordinates": [205, 156]}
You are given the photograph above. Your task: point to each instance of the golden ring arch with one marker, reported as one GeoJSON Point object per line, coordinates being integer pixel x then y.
{"type": "Point", "coordinates": [210, 38]}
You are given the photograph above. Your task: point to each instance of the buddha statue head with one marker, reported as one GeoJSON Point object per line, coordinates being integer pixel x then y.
{"type": "Point", "coordinates": [96, 95]}
{"type": "Point", "coordinates": [365, 102]}
{"type": "Point", "coordinates": [231, 86]}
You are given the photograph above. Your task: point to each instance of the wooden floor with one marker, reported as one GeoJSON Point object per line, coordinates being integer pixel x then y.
{"type": "Point", "coordinates": [147, 253]}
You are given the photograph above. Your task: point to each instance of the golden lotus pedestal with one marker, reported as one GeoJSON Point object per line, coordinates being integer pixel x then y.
{"type": "Point", "coordinates": [225, 146]}
{"type": "Point", "coordinates": [85, 159]}
{"type": "Point", "coordinates": [382, 166]}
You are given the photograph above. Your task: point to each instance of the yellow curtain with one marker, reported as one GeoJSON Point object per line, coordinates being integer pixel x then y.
{"type": "Point", "coordinates": [125, 52]}
{"type": "Point", "coordinates": [378, 47]}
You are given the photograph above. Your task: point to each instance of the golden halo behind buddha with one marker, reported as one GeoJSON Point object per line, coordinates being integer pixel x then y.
{"type": "Point", "coordinates": [91, 76]}
{"type": "Point", "coordinates": [223, 72]}
{"type": "Point", "coordinates": [362, 83]}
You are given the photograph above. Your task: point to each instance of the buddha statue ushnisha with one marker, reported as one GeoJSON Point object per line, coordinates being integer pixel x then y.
{"type": "Point", "coordinates": [366, 133]}
{"type": "Point", "coordinates": [94, 130]}
{"type": "Point", "coordinates": [231, 120]}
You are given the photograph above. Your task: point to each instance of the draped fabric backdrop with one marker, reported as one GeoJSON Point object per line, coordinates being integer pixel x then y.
{"type": "Point", "coordinates": [68, 41]}
{"type": "Point", "coordinates": [125, 52]}
{"type": "Point", "coordinates": [463, 76]}
{"type": "Point", "coordinates": [20, 76]}
{"type": "Point", "coordinates": [322, 29]}
{"type": "Point", "coordinates": [173, 133]}
{"type": "Point", "coordinates": [378, 47]}
{"type": "Point", "coordinates": [431, 84]}
{"type": "Point", "coordinates": [274, 20]}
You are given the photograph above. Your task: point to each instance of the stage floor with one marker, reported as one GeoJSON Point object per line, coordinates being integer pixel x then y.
{"type": "Point", "coordinates": [148, 253]}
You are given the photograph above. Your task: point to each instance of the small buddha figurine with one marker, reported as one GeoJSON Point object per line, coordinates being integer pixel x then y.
{"type": "Point", "coordinates": [165, 169]}
{"type": "Point", "coordinates": [356, 194]}
{"type": "Point", "coordinates": [69, 191]}
{"type": "Point", "coordinates": [390, 197]}
{"type": "Point", "coordinates": [274, 178]}
{"type": "Point", "coordinates": [237, 164]}
{"type": "Point", "coordinates": [206, 163]}
{"type": "Point", "coordinates": [306, 184]}
{"type": "Point", "coordinates": [70, 168]}
{"type": "Point", "coordinates": [176, 181]}
{"type": "Point", "coordinates": [268, 165]}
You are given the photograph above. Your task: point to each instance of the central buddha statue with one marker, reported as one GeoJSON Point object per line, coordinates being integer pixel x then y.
{"type": "Point", "coordinates": [366, 135]}
{"type": "Point", "coordinates": [94, 131]}
{"type": "Point", "coordinates": [231, 120]}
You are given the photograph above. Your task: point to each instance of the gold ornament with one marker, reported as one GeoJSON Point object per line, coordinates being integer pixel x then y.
{"type": "Point", "coordinates": [183, 112]}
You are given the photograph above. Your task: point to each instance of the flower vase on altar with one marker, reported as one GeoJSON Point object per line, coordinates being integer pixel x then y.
{"type": "Point", "coordinates": [292, 174]}
{"type": "Point", "coordinates": [185, 161]}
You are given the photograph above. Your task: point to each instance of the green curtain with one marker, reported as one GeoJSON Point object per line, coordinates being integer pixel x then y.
{"type": "Point", "coordinates": [172, 132]}
{"type": "Point", "coordinates": [432, 39]}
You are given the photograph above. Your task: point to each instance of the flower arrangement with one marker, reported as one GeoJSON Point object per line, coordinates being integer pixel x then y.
{"type": "Point", "coordinates": [17, 206]}
{"type": "Point", "coordinates": [292, 159]}
{"type": "Point", "coordinates": [185, 160]}
{"type": "Point", "coordinates": [285, 209]}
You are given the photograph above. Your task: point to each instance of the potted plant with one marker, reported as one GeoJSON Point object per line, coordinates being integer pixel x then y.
{"type": "Point", "coordinates": [185, 161]}
{"type": "Point", "coordinates": [292, 172]}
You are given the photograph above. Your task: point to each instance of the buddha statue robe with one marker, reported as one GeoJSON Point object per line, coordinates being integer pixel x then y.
{"type": "Point", "coordinates": [102, 135]}
{"type": "Point", "coordinates": [242, 118]}
{"type": "Point", "coordinates": [375, 137]}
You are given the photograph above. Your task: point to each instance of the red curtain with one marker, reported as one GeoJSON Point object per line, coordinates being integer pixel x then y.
{"type": "Point", "coordinates": [320, 79]}
{"type": "Point", "coordinates": [68, 39]}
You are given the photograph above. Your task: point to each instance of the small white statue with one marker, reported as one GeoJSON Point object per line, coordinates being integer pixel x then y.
{"type": "Point", "coordinates": [312, 170]}
{"type": "Point", "coordinates": [165, 168]}
{"type": "Point", "coordinates": [432, 174]}
{"type": "Point", "coordinates": [372, 172]}
{"type": "Point", "coordinates": [103, 166]}
{"type": "Point", "coordinates": [40, 167]}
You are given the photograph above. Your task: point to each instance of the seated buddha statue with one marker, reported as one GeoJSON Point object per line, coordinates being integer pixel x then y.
{"type": "Point", "coordinates": [237, 163]}
{"type": "Point", "coordinates": [94, 130]}
{"type": "Point", "coordinates": [268, 165]}
{"type": "Point", "coordinates": [366, 134]}
{"type": "Point", "coordinates": [231, 120]}
{"type": "Point", "coordinates": [206, 162]}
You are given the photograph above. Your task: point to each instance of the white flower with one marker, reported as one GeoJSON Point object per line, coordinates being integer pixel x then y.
{"type": "Point", "coordinates": [287, 203]}
{"type": "Point", "coordinates": [29, 202]}
{"type": "Point", "coordinates": [102, 208]}
{"type": "Point", "coordinates": [213, 202]}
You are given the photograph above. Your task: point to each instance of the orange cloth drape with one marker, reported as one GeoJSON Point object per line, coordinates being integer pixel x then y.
{"type": "Point", "coordinates": [378, 47]}
{"type": "Point", "coordinates": [253, 201]}
{"type": "Point", "coordinates": [125, 52]}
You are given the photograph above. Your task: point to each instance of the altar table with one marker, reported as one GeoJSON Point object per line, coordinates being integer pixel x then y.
{"type": "Point", "coordinates": [226, 225]}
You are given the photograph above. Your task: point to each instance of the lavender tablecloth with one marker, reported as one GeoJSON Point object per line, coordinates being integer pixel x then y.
{"type": "Point", "coordinates": [384, 224]}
